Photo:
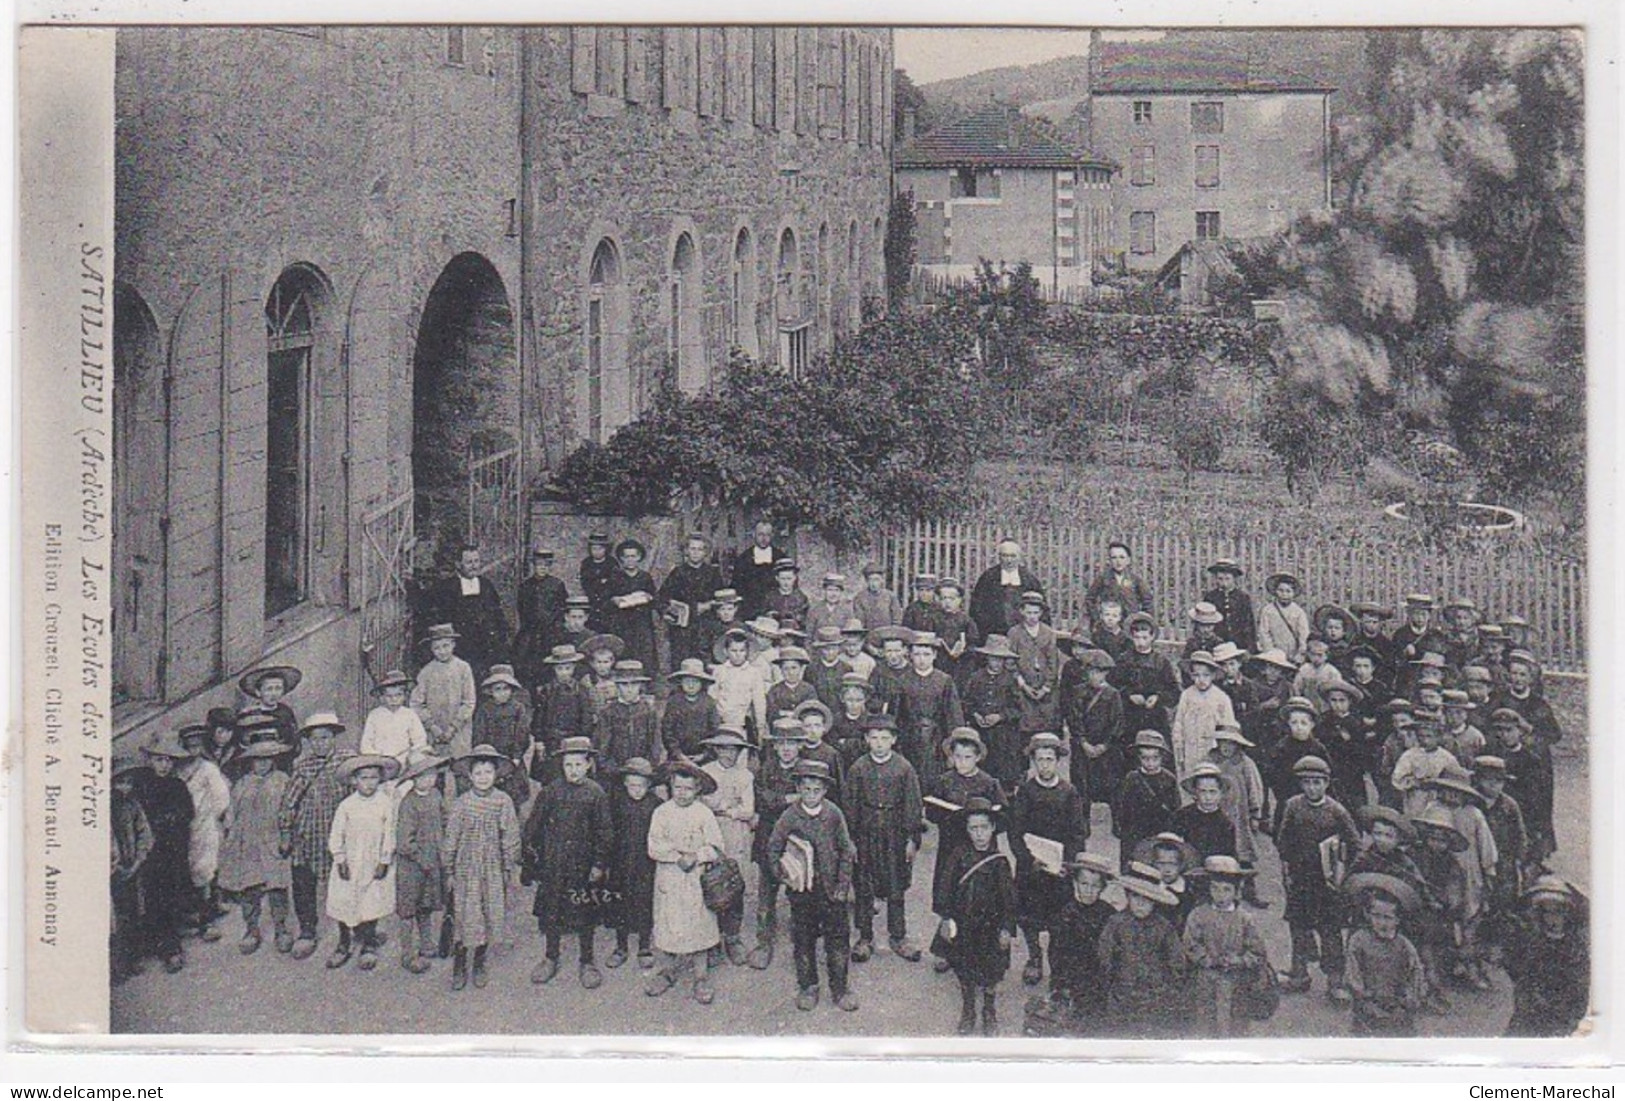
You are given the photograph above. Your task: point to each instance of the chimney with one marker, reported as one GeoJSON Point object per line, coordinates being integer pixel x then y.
{"type": "Point", "coordinates": [908, 124]}
{"type": "Point", "coordinates": [1094, 61]}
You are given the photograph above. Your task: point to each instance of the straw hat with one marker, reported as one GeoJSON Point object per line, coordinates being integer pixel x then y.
{"type": "Point", "coordinates": [1139, 619]}
{"type": "Point", "coordinates": [637, 766]}
{"type": "Point", "coordinates": [426, 763]}
{"type": "Point", "coordinates": [1287, 576]}
{"type": "Point", "coordinates": [1276, 657]}
{"type": "Point", "coordinates": [726, 596]}
{"type": "Point", "coordinates": [577, 744]}
{"type": "Point", "coordinates": [1300, 703]}
{"type": "Point", "coordinates": [1353, 691]}
{"type": "Point", "coordinates": [1225, 867]}
{"type": "Point", "coordinates": [1205, 770]}
{"type": "Point", "coordinates": [807, 769]}
{"type": "Point", "coordinates": [1457, 779]}
{"type": "Point", "coordinates": [1203, 657]}
{"type": "Point", "coordinates": [792, 653]}
{"type": "Point", "coordinates": [1376, 812]}
{"type": "Point", "coordinates": [854, 627]}
{"type": "Point", "coordinates": [565, 654]}
{"type": "Point", "coordinates": [1419, 600]}
{"type": "Point", "coordinates": [1382, 883]}
{"type": "Point", "coordinates": [438, 633]}
{"type": "Point", "coordinates": [827, 637]}
{"type": "Point", "coordinates": [726, 739]}
{"type": "Point", "coordinates": [1366, 607]}
{"type": "Point", "coordinates": [809, 707]}
{"type": "Point", "coordinates": [1045, 740]}
{"type": "Point", "coordinates": [1206, 613]}
{"type": "Point", "coordinates": [1145, 852]}
{"type": "Point", "coordinates": [1228, 651]}
{"type": "Point", "coordinates": [1437, 820]}
{"type": "Point", "coordinates": [630, 671]}
{"type": "Point", "coordinates": [788, 728]}
{"type": "Point", "coordinates": [388, 767]}
{"type": "Point", "coordinates": [1150, 739]}
{"type": "Point", "coordinates": [250, 681]}
{"type": "Point", "coordinates": [501, 674]}
{"type": "Point", "coordinates": [1553, 888]}
{"type": "Point", "coordinates": [855, 680]}
{"type": "Point", "coordinates": [1332, 611]}
{"type": "Point", "coordinates": [167, 744]}
{"type": "Point", "coordinates": [1231, 732]}
{"type": "Point", "coordinates": [766, 627]}
{"type": "Point", "coordinates": [1226, 565]}
{"type": "Point", "coordinates": [395, 678]}
{"type": "Point", "coordinates": [265, 749]}
{"type": "Point", "coordinates": [1034, 597]}
{"type": "Point", "coordinates": [1092, 862]}
{"type": "Point", "coordinates": [691, 667]}
{"type": "Point", "coordinates": [1097, 659]}
{"type": "Point", "coordinates": [997, 646]}
{"type": "Point", "coordinates": [1146, 886]}
{"type": "Point", "coordinates": [925, 638]}
{"type": "Point", "coordinates": [673, 769]}
{"type": "Point", "coordinates": [322, 720]}
{"type": "Point", "coordinates": [615, 644]}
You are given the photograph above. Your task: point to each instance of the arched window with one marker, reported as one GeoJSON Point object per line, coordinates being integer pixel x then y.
{"type": "Point", "coordinates": [790, 329]}
{"type": "Point", "coordinates": [685, 342]}
{"type": "Point", "coordinates": [743, 299]}
{"type": "Point", "coordinates": [293, 317]}
{"type": "Point", "coordinates": [609, 393]}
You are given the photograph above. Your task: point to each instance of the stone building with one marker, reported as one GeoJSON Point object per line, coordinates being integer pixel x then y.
{"type": "Point", "coordinates": [998, 186]}
{"type": "Point", "coordinates": [1214, 144]}
{"type": "Point", "coordinates": [373, 282]}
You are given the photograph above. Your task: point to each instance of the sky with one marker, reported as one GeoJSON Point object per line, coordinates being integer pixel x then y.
{"type": "Point", "coordinates": [941, 53]}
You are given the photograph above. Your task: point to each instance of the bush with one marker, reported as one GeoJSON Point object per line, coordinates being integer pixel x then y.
{"type": "Point", "coordinates": [1195, 433]}
{"type": "Point", "coordinates": [882, 429]}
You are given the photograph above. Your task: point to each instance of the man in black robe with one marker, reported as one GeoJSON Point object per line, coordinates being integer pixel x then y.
{"type": "Point", "coordinates": [753, 569]}
{"type": "Point", "coordinates": [995, 601]}
{"type": "Point", "coordinates": [471, 605]}
{"type": "Point", "coordinates": [542, 598]}
{"type": "Point", "coordinates": [694, 581]}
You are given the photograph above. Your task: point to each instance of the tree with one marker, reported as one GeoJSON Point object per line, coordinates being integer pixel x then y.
{"type": "Point", "coordinates": [900, 250]}
{"type": "Point", "coordinates": [1450, 288]}
{"type": "Point", "coordinates": [906, 98]}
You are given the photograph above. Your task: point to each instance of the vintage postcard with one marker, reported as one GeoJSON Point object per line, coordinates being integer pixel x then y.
{"type": "Point", "coordinates": [922, 536]}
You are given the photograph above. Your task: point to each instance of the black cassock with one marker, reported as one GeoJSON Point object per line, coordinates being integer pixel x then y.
{"type": "Point", "coordinates": [635, 626]}
{"type": "Point", "coordinates": [478, 618]}
{"type": "Point", "coordinates": [541, 615]}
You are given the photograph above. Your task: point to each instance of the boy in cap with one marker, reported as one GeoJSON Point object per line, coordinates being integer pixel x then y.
{"type": "Point", "coordinates": [1310, 819]}
{"type": "Point", "coordinates": [683, 840]}
{"type": "Point", "coordinates": [1045, 805]}
{"type": "Point", "coordinates": [854, 649]}
{"type": "Point", "coordinates": [978, 914]}
{"type": "Point", "coordinates": [629, 726]}
{"type": "Point", "coordinates": [1384, 974]}
{"type": "Point", "coordinates": [1419, 635]}
{"type": "Point", "coordinates": [420, 869]}
{"type": "Point", "coordinates": [1204, 634]}
{"type": "Point", "coordinates": [740, 688]}
{"type": "Point", "coordinates": [1038, 665]}
{"type": "Point", "coordinates": [1529, 781]}
{"type": "Point", "coordinates": [846, 731]}
{"type": "Point", "coordinates": [816, 722]}
{"type": "Point", "coordinates": [833, 610]}
{"type": "Point", "coordinates": [361, 843]}
{"type": "Point", "coordinates": [947, 793]}
{"type": "Point", "coordinates": [786, 602]}
{"type": "Point", "coordinates": [575, 631]}
{"type": "Point", "coordinates": [1203, 822]}
{"type": "Point", "coordinates": [821, 892]}
{"type": "Point", "coordinates": [876, 606]}
{"type": "Point", "coordinates": [792, 689]}
{"type": "Point", "coordinates": [444, 696]}
{"type": "Point", "coordinates": [1242, 796]}
{"type": "Point", "coordinates": [1076, 979]}
{"type": "Point", "coordinates": [629, 602]}
{"type": "Point", "coordinates": [691, 713]}
{"type": "Point", "coordinates": [1300, 717]}
{"type": "Point", "coordinates": [503, 721]}
{"type": "Point", "coordinates": [1224, 948]}
{"type": "Point", "coordinates": [1092, 716]}
{"type": "Point", "coordinates": [1146, 679]}
{"type": "Point", "coordinates": [775, 791]}
{"type": "Point", "coordinates": [542, 601]}
{"type": "Point", "coordinates": [595, 573]}
{"type": "Point", "coordinates": [1238, 624]}
{"type": "Point", "coordinates": [1203, 705]}
{"type": "Point", "coordinates": [1550, 963]}
{"type": "Point", "coordinates": [993, 703]}
{"type": "Point", "coordinates": [632, 806]}
{"type": "Point", "coordinates": [715, 627]}
{"type": "Point", "coordinates": [957, 630]}
{"type": "Point", "coordinates": [694, 581]}
{"type": "Point", "coordinates": [567, 843]}
{"type": "Point", "coordinates": [888, 819]}
{"type": "Point", "coordinates": [827, 668]}
{"type": "Point", "coordinates": [733, 801]}
{"type": "Point", "coordinates": [392, 729]}
{"type": "Point", "coordinates": [313, 795]}
{"type": "Point", "coordinates": [252, 867]}
{"type": "Point", "coordinates": [928, 706]}
{"type": "Point", "coordinates": [1506, 824]}
{"type": "Point", "coordinates": [921, 613]}
{"type": "Point", "coordinates": [563, 710]}
{"type": "Point", "coordinates": [1282, 623]}
{"type": "Point", "coordinates": [1143, 961]}
{"type": "Point", "coordinates": [1146, 798]}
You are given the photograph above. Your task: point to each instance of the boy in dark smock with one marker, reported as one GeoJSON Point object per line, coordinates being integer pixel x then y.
{"type": "Point", "coordinates": [567, 846]}
{"type": "Point", "coordinates": [888, 819]}
{"type": "Point", "coordinates": [1045, 805]}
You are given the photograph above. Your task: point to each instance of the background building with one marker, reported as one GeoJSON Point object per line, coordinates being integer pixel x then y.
{"type": "Point", "coordinates": [1005, 188]}
{"type": "Point", "coordinates": [1214, 144]}
{"type": "Point", "coordinates": [374, 281]}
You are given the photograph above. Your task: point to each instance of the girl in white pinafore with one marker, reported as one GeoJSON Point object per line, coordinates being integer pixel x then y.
{"type": "Point", "coordinates": [683, 838]}
{"type": "Point", "coordinates": [361, 888]}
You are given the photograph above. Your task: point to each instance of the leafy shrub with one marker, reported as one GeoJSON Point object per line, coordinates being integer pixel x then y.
{"type": "Point", "coordinates": [1195, 432]}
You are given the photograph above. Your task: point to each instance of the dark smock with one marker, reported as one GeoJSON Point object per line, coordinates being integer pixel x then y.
{"type": "Point", "coordinates": [631, 871]}
{"type": "Point", "coordinates": [568, 833]}
{"type": "Point", "coordinates": [982, 904]}
{"type": "Point", "coordinates": [886, 813]}
{"type": "Point", "coordinates": [952, 839]}
{"type": "Point", "coordinates": [1060, 814]}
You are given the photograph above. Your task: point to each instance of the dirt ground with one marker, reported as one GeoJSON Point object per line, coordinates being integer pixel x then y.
{"type": "Point", "coordinates": [221, 991]}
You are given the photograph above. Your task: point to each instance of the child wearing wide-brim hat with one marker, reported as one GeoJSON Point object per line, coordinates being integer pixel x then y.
{"type": "Point", "coordinates": [691, 667]}
{"type": "Point", "coordinates": [1225, 949]}
{"type": "Point", "coordinates": [978, 912]}
{"type": "Point", "coordinates": [1143, 960]}
{"type": "Point", "coordinates": [955, 786]}
{"type": "Point", "coordinates": [1549, 961]}
{"type": "Point", "coordinates": [266, 688]}
{"type": "Point", "coordinates": [253, 870]}
{"type": "Point", "coordinates": [362, 845]}
{"type": "Point", "coordinates": [420, 877]}
{"type": "Point", "coordinates": [565, 851]}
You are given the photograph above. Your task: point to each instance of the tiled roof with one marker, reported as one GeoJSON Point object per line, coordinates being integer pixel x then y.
{"type": "Point", "coordinates": [997, 136]}
{"type": "Point", "coordinates": [1153, 67]}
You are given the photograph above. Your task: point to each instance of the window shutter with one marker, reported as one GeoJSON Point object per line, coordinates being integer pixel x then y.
{"type": "Point", "coordinates": [670, 66]}
{"type": "Point", "coordinates": [784, 79]}
{"type": "Point", "coordinates": [806, 80]}
{"type": "Point", "coordinates": [612, 62]}
{"type": "Point", "coordinates": [762, 69]}
{"type": "Point", "coordinates": [583, 59]}
{"type": "Point", "coordinates": [711, 71]}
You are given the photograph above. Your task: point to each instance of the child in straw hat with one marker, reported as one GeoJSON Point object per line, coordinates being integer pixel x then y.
{"type": "Point", "coordinates": [691, 714]}
{"type": "Point", "coordinates": [1242, 798]}
{"type": "Point", "coordinates": [1076, 979]}
{"type": "Point", "coordinates": [978, 914]}
{"type": "Point", "coordinates": [1454, 790]}
{"type": "Point", "coordinates": [313, 796]}
{"type": "Point", "coordinates": [252, 867]}
{"type": "Point", "coordinates": [1550, 963]}
{"type": "Point", "coordinates": [392, 729]}
{"type": "Point", "coordinates": [632, 806]}
{"type": "Point", "coordinates": [362, 845]}
{"type": "Point", "coordinates": [562, 710]}
{"type": "Point", "coordinates": [502, 721]}
{"type": "Point", "coordinates": [444, 696]}
{"type": "Point", "coordinates": [952, 788]}
{"type": "Point", "coordinates": [482, 855]}
{"type": "Point", "coordinates": [775, 792]}
{"type": "Point", "coordinates": [1385, 974]}
{"type": "Point", "coordinates": [734, 804]}
{"type": "Point", "coordinates": [420, 871]}
{"type": "Point", "coordinates": [992, 703]}
{"type": "Point", "coordinates": [1224, 948]}
{"type": "Point", "coordinates": [1202, 707]}
{"type": "Point", "coordinates": [683, 839]}
{"type": "Point", "coordinates": [1147, 797]}
{"type": "Point", "coordinates": [1143, 961]}
{"type": "Point", "coordinates": [1446, 897]}
{"type": "Point", "coordinates": [1092, 713]}
{"type": "Point", "coordinates": [629, 726]}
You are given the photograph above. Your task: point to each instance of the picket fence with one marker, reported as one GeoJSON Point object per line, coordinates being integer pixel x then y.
{"type": "Point", "coordinates": [1547, 589]}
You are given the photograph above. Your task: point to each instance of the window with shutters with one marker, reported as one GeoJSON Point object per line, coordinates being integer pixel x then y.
{"type": "Point", "coordinates": [763, 54]}
{"type": "Point", "coordinates": [829, 82]}
{"type": "Point", "coordinates": [610, 60]}
{"type": "Point", "coordinates": [1142, 233]}
{"type": "Point", "coordinates": [784, 80]}
{"type": "Point", "coordinates": [1207, 118]}
{"type": "Point", "coordinates": [1207, 225]}
{"type": "Point", "coordinates": [1207, 166]}
{"type": "Point", "coordinates": [456, 46]}
{"type": "Point", "coordinates": [1142, 112]}
{"type": "Point", "coordinates": [1143, 165]}
{"type": "Point", "coordinates": [711, 71]}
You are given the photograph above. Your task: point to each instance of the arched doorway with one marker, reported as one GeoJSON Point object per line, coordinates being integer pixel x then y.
{"type": "Point", "coordinates": [140, 500]}
{"type": "Point", "coordinates": [465, 417]}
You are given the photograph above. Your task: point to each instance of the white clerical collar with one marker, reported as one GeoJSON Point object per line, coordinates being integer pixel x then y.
{"type": "Point", "coordinates": [470, 585]}
{"type": "Point", "coordinates": [761, 555]}
{"type": "Point", "coordinates": [1009, 575]}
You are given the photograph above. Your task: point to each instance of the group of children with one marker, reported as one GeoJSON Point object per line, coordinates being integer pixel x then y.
{"type": "Point", "coordinates": [1412, 844]}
